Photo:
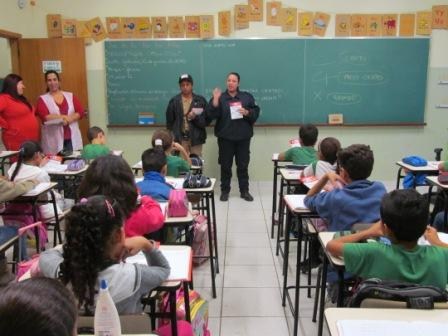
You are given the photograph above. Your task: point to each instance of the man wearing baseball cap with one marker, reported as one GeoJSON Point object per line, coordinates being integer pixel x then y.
{"type": "Point", "coordinates": [185, 117]}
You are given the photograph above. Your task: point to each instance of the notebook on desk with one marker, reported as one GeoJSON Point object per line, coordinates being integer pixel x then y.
{"type": "Point", "coordinates": [296, 201]}
{"type": "Point", "coordinates": [180, 259]}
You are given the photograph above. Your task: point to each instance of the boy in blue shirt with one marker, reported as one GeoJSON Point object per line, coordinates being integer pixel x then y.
{"type": "Point", "coordinates": [154, 170]}
{"type": "Point", "coordinates": [358, 201]}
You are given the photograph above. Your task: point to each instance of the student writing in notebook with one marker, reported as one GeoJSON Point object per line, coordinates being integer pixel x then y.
{"type": "Point", "coordinates": [94, 249]}
{"type": "Point", "coordinates": [404, 215]}
{"type": "Point", "coordinates": [305, 154]}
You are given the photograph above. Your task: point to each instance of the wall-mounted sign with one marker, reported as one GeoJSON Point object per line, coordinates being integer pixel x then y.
{"type": "Point", "coordinates": [52, 65]}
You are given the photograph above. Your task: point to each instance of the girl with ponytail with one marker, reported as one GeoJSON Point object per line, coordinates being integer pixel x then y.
{"type": "Point", "coordinates": [95, 248]}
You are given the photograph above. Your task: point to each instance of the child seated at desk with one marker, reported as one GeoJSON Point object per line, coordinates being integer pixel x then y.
{"type": "Point", "coordinates": [305, 154]}
{"type": "Point", "coordinates": [97, 146]}
{"type": "Point", "coordinates": [176, 165]}
{"type": "Point", "coordinates": [95, 248]}
{"type": "Point", "coordinates": [154, 169]}
{"type": "Point", "coordinates": [404, 215]}
{"type": "Point", "coordinates": [327, 156]}
{"type": "Point", "coordinates": [358, 201]}
{"type": "Point", "coordinates": [111, 176]}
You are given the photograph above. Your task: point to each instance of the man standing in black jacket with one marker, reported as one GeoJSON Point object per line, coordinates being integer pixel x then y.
{"type": "Point", "coordinates": [185, 117]}
{"type": "Point", "coordinates": [235, 112]}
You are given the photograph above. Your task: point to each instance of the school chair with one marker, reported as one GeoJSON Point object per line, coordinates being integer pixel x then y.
{"type": "Point", "coordinates": [375, 293]}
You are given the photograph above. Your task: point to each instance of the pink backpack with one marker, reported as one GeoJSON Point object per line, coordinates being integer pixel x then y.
{"type": "Point", "coordinates": [177, 203]}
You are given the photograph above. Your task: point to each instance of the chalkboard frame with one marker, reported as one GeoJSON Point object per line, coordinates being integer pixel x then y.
{"type": "Point", "coordinates": [406, 123]}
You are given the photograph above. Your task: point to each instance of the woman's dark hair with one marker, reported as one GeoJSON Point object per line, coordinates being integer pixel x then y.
{"type": "Point", "coordinates": [165, 136]}
{"type": "Point", "coordinates": [51, 72]}
{"type": "Point", "coordinates": [111, 176]}
{"type": "Point", "coordinates": [37, 307]}
{"type": "Point", "coordinates": [89, 230]}
{"type": "Point", "coordinates": [26, 152]}
{"type": "Point", "coordinates": [10, 87]}
{"type": "Point", "coordinates": [235, 74]}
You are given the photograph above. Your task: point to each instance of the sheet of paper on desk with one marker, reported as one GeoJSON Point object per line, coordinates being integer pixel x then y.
{"type": "Point", "coordinates": [442, 236]}
{"type": "Point", "coordinates": [176, 182]}
{"type": "Point", "coordinates": [297, 201]}
{"type": "Point", "coordinates": [179, 260]}
{"type": "Point", "coordinates": [38, 189]}
{"type": "Point", "coordinates": [54, 166]}
{"type": "Point", "coordinates": [434, 164]}
{"type": "Point", "coordinates": [390, 328]}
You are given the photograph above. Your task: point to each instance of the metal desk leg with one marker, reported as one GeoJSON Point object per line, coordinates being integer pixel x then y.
{"type": "Point", "coordinates": [215, 234]}
{"type": "Point", "coordinates": [274, 198]}
{"type": "Point", "coordinates": [323, 287]}
{"type": "Point", "coordinates": [398, 178]}
{"type": "Point", "coordinates": [210, 249]}
{"type": "Point", "coordinates": [172, 299]}
{"type": "Point", "coordinates": [340, 301]}
{"type": "Point", "coordinates": [297, 296]}
{"type": "Point", "coordinates": [187, 301]}
{"type": "Point", "coordinates": [57, 228]}
{"type": "Point", "coordinates": [286, 257]}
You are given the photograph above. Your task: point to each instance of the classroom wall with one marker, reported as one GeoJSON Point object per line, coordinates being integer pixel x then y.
{"type": "Point", "coordinates": [389, 144]}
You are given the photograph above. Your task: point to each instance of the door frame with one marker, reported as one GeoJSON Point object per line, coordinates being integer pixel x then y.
{"type": "Point", "coordinates": [13, 39]}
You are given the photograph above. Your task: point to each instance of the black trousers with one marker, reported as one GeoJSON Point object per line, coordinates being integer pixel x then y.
{"type": "Point", "coordinates": [241, 151]}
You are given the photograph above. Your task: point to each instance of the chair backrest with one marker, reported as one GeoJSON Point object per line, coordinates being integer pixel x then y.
{"type": "Point", "coordinates": [391, 294]}
{"type": "Point", "coordinates": [130, 324]}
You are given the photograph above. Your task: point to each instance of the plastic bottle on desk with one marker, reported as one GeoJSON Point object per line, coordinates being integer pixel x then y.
{"type": "Point", "coordinates": [106, 321]}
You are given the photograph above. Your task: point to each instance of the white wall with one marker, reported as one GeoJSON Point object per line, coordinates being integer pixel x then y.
{"type": "Point", "coordinates": [388, 143]}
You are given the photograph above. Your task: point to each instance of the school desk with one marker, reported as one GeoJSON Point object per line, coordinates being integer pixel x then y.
{"type": "Point", "coordinates": [67, 180]}
{"type": "Point", "coordinates": [295, 208]}
{"type": "Point", "coordinates": [289, 179]}
{"type": "Point", "coordinates": [338, 265]}
{"type": "Point", "coordinates": [180, 260]}
{"type": "Point", "coordinates": [433, 181]}
{"type": "Point", "coordinates": [5, 158]}
{"type": "Point", "coordinates": [33, 197]}
{"type": "Point", "coordinates": [432, 168]}
{"type": "Point", "coordinates": [367, 315]}
{"type": "Point", "coordinates": [276, 171]}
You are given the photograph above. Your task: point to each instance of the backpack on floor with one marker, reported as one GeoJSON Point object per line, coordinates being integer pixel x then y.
{"type": "Point", "coordinates": [198, 311]}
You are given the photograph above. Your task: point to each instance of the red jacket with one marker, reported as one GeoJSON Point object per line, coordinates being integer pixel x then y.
{"type": "Point", "coordinates": [145, 219]}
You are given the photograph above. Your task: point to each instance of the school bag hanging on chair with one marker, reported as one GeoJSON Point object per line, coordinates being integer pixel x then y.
{"type": "Point", "coordinates": [199, 245]}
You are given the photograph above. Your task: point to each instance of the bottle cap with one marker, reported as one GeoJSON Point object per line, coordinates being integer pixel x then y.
{"type": "Point", "coordinates": [103, 284]}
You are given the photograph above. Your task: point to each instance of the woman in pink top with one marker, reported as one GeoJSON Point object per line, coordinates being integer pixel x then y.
{"type": "Point", "coordinates": [60, 112]}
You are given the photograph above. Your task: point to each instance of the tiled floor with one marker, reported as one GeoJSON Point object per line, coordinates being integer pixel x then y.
{"type": "Point", "coordinates": [248, 286]}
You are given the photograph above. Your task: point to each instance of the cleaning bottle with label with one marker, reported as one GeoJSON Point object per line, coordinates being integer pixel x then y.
{"type": "Point", "coordinates": [106, 321]}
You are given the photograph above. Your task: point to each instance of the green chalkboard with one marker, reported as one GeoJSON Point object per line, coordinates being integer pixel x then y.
{"type": "Point", "coordinates": [369, 81]}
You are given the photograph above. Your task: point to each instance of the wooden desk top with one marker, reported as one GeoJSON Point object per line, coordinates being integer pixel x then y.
{"type": "Point", "coordinates": [39, 189]}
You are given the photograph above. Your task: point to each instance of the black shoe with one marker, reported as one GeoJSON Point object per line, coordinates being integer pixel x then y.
{"type": "Point", "coordinates": [315, 262]}
{"type": "Point", "coordinates": [246, 196]}
{"type": "Point", "coordinates": [224, 197]}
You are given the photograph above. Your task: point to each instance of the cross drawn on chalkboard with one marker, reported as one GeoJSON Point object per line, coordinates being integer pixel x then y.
{"type": "Point", "coordinates": [317, 96]}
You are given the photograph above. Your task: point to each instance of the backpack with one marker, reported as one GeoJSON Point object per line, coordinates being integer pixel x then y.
{"type": "Point", "coordinates": [199, 245]}
{"type": "Point", "coordinates": [415, 161]}
{"type": "Point", "coordinates": [76, 165]}
{"type": "Point", "coordinates": [177, 203]}
{"type": "Point", "coordinates": [416, 296]}
{"type": "Point", "coordinates": [198, 311]}
{"type": "Point", "coordinates": [196, 181]}
{"type": "Point", "coordinates": [196, 160]}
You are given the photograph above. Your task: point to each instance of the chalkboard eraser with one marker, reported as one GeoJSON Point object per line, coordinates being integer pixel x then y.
{"type": "Point", "coordinates": [336, 119]}
{"type": "Point", "coordinates": [146, 118]}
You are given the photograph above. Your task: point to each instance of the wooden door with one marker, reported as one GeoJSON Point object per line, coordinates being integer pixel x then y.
{"type": "Point", "coordinates": [71, 53]}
